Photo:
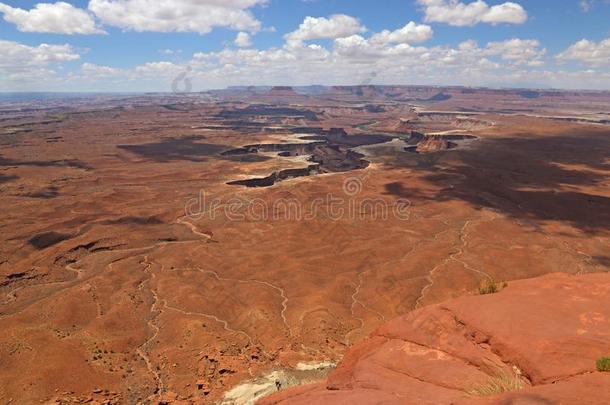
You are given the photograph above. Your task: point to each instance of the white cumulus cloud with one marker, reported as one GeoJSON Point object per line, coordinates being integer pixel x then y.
{"type": "Point", "coordinates": [91, 70]}
{"type": "Point", "coordinates": [243, 40]}
{"type": "Point", "coordinates": [353, 54]}
{"type": "Point", "coordinates": [200, 16]}
{"type": "Point", "coordinates": [409, 34]}
{"type": "Point", "coordinates": [587, 52]}
{"type": "Point", "coordinates": [518, 51]}
{"type": "Point", "coordinates": [22, 64]}
{"type": "Point", "coordinates": [56, 18]}
{"type": "Point", "coordinates": [459, 14]}
{"type": "Point", "coordinates": [335, 26]}
{"type": "Point", "coordinates": [15, 54]}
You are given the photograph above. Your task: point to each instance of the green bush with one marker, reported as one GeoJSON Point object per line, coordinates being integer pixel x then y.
{"type": "Point", "coordinates": [603, 364]}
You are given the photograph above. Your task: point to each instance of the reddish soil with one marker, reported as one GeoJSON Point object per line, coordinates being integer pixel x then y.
{"type": "Point", "coordinates": [107, 289]}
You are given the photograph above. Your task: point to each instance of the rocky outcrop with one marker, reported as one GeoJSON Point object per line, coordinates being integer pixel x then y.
{"type": "Point", "coordinates": [330, 151]}
{"type": "Point", "coordinates": [282, 91]}
{"type": "Point", "coordinates": [434, 144]}
{"type": "Point", "coordinates": [403, 125]}
{"type": "Point", "coordinates": [538, 338]}
{"type": "Point", "coordinates": [422, 143]}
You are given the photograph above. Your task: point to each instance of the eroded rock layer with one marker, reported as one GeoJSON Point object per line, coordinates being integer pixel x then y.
{"type": "Point", "coordinates": [540, 336]}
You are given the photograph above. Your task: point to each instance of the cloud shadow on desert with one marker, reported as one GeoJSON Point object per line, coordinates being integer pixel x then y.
{"type": "Point", "coordinates": [189, 148]}
{"type": "Point", "coordinates": [73, 163]}
{"type": "Point", "coordinates": [532, 178]}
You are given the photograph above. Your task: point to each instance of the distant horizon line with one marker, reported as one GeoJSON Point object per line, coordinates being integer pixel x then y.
{"type": "Point", "coordinates": [85, 92]}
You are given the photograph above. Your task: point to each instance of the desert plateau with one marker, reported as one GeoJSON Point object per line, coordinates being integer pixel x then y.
{"type": "Point", "coordinates": [177, 247]}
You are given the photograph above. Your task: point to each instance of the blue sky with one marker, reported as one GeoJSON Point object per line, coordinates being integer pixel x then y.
{"type": "Point", "coordinates": [137, 45]}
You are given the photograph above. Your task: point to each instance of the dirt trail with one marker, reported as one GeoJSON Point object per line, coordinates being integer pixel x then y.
{"type": "Point", "coordinates": [193, 228]}
{"type": "Point", "coordinates": [265, 283]}
{"type": "Point", "coordinates": [464, 243]}
{"type": "Point", "coordinates": [430, 279]}
{"type": "Point", "coordinates": [141, 350]}
{"type": "Point", "coordinates": [463, 239]}
{"type": "Point", "coordinates": [224, 323]}
{"type": "Point", "coordinates": [355, 302]}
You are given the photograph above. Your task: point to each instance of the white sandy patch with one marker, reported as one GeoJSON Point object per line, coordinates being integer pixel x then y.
{"type": "Point", "coordinates": [251, 391]}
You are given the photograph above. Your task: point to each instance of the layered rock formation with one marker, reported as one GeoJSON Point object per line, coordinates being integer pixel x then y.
{"type": "Point", "coordinates": [422, 143]}
{"type": "Point", "coordinates": [434, 144]}
{"type": "Point", "coordinates": [282, 91]}
{"type": "Point", "coordinates": [539, 339]}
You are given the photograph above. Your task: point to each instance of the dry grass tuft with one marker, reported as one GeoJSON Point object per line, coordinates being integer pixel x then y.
{"type": "Point", "coordinates": [504, 382]}
{"type": "Point", "coordinates": [490, 286]}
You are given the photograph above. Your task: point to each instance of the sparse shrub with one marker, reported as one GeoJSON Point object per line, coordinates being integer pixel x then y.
{"type": "Point", "coordinates": [503, 382]}
{"type": "Point", "coordinates": [490, 286]}
{"type": "Point", "coordinates": [603, 364]}
{"type": "Point", "coordinates": [487, 286]}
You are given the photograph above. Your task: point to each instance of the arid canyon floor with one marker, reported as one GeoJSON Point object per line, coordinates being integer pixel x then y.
{"type": "Point", "coordinates": [177, 246]}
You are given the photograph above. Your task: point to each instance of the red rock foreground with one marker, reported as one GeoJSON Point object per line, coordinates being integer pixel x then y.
{"type": "Point", "coordinates": [544, 334]}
